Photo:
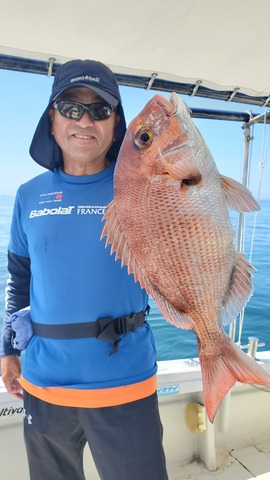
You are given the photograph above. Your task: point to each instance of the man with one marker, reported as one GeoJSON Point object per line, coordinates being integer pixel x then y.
{"type": "Point", "coordinates": [89, 370]}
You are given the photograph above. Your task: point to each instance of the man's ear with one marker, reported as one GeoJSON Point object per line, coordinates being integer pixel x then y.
{"type": "Point", "coordinates": [116, 122]}
{"type": "Point", "coordinates": [117, 119]}
{"type": "Point", "coordinates": [51, 114]}
{"type": "Point", "coordinates": [51, 117]}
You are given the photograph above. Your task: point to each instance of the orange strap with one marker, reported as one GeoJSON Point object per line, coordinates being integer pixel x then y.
{"type": "Point", "coordinates": [105, 397]}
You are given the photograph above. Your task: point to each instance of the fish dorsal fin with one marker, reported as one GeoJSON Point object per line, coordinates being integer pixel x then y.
{"type": "Point", "coordinates": [241, 289]}
{"type": "Point", "coordinates": [119, 245]}
{"type": "Point", "coordinates": [238, 197]}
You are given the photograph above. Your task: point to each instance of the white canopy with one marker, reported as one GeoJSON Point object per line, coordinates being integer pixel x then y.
{"type": "Point", "coordinates": [214, 48]}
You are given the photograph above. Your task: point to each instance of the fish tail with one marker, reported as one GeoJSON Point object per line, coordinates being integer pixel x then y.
{"type": "Point", "coordinates": [220, 372]}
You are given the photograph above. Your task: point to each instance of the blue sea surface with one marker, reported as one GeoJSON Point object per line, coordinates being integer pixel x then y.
{"type": "Point", "coordinates": [173, 343]}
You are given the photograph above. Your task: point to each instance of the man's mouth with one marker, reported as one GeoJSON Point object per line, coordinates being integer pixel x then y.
{"type": "Point", "coordinates": [84, 137]}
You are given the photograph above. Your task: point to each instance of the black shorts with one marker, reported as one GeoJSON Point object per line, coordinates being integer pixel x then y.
{"type": "Point", "coordinates": [125, 441]}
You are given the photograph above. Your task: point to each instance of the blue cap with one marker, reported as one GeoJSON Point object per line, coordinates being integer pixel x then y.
{"type": "Point", "coordinates": [75, 74]}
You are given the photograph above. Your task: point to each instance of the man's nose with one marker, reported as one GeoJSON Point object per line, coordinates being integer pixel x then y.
{"type": "Point", "coordinates": [86, 119]}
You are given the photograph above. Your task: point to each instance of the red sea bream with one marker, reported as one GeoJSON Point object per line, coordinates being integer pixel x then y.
{"type": "Point", "coordinates": [169, 224]}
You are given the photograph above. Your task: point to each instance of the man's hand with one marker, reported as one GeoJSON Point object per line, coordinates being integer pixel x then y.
{"type": "Point", "coordinates": [11, 370]}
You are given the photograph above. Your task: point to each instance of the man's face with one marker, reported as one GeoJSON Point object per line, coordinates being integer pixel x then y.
{"type": "Point", "coordinates": [85, 142]}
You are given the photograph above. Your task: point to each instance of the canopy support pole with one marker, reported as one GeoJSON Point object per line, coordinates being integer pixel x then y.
{"type": "Point", "coordinates": [224, 408]}
{"type": "Point", "coordinates": [241, 216]}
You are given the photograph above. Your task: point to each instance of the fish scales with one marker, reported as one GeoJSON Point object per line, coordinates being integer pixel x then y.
{"type": "Point", "coordinates": [163, 218]}
{"type": "Point", "coordinates": [169, 224]}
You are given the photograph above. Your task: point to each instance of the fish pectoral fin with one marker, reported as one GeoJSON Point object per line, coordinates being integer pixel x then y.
{"type": "Point", "coordinates": [221, 371]}
{"type": "Point", "coordinates": [240, 291]}
{"type": "Point", "coordinates": [184, 170]}
{"type": "Point", "coordinates": [238, 197]}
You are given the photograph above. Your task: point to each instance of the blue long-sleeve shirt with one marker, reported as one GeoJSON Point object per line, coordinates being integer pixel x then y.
{"type": "Point", "coordinates": [59, 266]}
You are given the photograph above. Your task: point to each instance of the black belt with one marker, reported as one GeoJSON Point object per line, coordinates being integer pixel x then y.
{"type": "Point", "coordinates": [107, 328]}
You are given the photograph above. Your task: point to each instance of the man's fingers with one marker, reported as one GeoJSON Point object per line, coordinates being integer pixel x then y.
{"type": "Point", "coordinates": [13, 386]}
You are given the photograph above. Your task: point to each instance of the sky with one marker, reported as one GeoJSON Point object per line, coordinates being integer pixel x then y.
{"type": "Point", "coordinates": [24, 97]}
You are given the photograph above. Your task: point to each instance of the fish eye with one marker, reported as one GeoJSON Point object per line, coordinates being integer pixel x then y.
{"type": "Point", "coordinates": [144, 137]}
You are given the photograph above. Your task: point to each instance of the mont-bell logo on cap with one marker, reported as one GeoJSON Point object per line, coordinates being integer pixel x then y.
{"type": "Point", "coordinates": [84, 78]}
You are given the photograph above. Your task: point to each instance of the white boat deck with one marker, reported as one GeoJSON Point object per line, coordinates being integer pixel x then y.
{"type": "Point", "coordinates": [244, 464]}
{"type": "Point", "coordinates": [235, 447]}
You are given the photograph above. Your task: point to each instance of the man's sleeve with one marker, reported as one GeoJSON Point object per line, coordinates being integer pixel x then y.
{"type": "Point", "coordinates": [18, 283]}
{"type": "Point", "coordinates": [17, 297]}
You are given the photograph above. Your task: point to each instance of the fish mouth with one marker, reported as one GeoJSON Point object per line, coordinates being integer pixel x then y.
{"type": "Point", "coordinates": [169, 107]}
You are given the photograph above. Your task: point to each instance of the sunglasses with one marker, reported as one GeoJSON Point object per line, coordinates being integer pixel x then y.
{"type": "Point", "coordinates": [75, 111]}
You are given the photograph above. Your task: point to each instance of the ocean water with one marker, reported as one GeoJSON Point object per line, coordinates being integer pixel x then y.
{"type": "Point", "coordinates": [173, 343]}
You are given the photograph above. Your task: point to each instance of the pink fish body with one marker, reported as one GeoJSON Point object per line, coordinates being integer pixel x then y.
{"type": "Point", "coordinates": [169, 224]}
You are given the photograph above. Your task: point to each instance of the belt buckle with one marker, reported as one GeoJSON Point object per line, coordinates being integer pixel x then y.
{"type": "Point", "coordinates": [127, 323]}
